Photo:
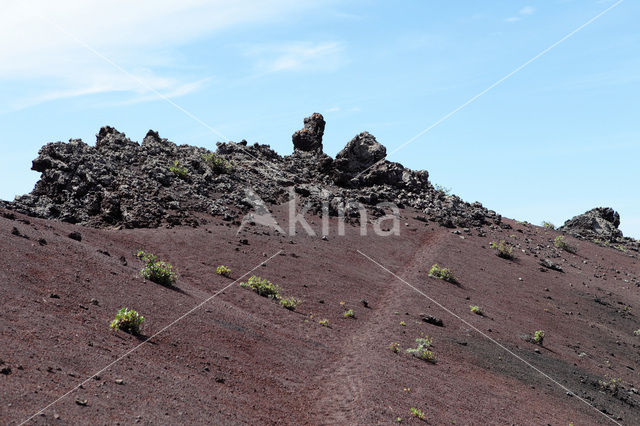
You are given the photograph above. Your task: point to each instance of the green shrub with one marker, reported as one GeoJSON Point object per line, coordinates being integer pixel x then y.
{"type": "Point", "coordinates": [394, 347]}
{"type": "Point", "coordinates": [562, 244]}
{"type": "Point", "coordinates": [155, 270]}
{"type": "Point", "coordinates": [224, 271]}
{"type": "Point", "coordinates": [290, 303]}
{"type": "Point", "coordinates": [324, 322]}
{"type": "Point", "coordinates": [442, 274]}
{"type": "Point", "coordinates": [402, 323]}
{"type": "Point", "coordinates": [503, 249]}
{"type": "Point", "coordinates": [349, 313]}
{"type": "Point", "coordinates": [538, 337]}
{"type": "Point", "coordinates": [217, 164]}
{"type": "Point", "coordinates": [548, 225]}
{"type": "Point", "coordinates": [127, 320]}
{"type": "Point", "coordinates": [476, 309]}
{"type": "Point", "coordinates": [262, 287]}
{"type": "Point", "coordinates": [422, 350]}
{"type": "Point", "coordinates": [611, 385]}
{"type": "Point", "coordinates": [178, 170]}
{"type": "Point", "coordinates": [637, 332]}
{"type": "Point", "coordinates": [415, 412]}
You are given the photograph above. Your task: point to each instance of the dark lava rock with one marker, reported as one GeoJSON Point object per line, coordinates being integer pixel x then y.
{"type": "Point", "coordinates": [120, 183]}
{"type": "Point", "coordinates": [547, 263]}
{"type": "Point", "coordinates": [600, 223]}
{"type": "Point", "coordinates": [75, 236]}
{"type": "Point", "coordinates": [309, 138]}
{"type": "Point", "coordinates": [432, 320]}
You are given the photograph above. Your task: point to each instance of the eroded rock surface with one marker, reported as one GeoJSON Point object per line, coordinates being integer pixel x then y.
{"type": "Point", "coordinates": [119, 182]}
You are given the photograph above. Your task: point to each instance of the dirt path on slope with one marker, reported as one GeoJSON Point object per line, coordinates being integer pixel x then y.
{"type": "Point", "coordinates": [343, 386]}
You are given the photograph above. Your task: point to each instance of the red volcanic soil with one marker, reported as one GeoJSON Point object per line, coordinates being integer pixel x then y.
{"type": "Point", "coordinates": [242, 358]}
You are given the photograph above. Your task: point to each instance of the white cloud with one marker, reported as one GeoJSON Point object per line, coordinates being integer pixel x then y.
{"type": "Point", "coordinates": [297, 56]}
{"type": "Point", "coordinates": [52, 42]}
{"type": "Point", "coordinates": [525, 11]}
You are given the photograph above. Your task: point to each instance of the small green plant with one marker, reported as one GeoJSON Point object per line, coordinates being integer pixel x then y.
{"type": "Point", "coordinates": [538, 337]}
{"type": "Point", "coordinates": [155, 270]}
{"type": "Point", "coordinates": [224, 271]}
{"type": "Point", "coordinates": [349, 313]}
{"type": "Point", "coordinates": [442, 273]}
{"type": "Point", "coordinates": [263, 287]}
{"type": "Point", "coordinates": [415, 412]}
{"type": "Point", "coordinates": [178, 170]}
{"type": "Point", "coordinates": [476, 309]}
{"type": "Point", "coordinates": [217, 164]}
{"type": "Point", "coordinates": [127, 320]}
{"type": "Point", "coordinates": [402, 323]}
{"type": "Point", "coordinates": [621, 248]}
{"type": "Point", "coordinates": [394, 347]}
{"type": "Point", "coordinates": [503, 249]}
{"type": "Point", "coordinates": [442, 189]}
{"type": "Point", "coordinates": [562, 244]}
{"type": "Point", "coordinates": [290, 303]}
{"type": "Point", "coordinates": [548, 225]}
{"type": "Point", "coordinates": [637, 332]}
{"type": "Point", "coordinates": [422, 350]}
{"type": "Point", "coordinates": [398, 419]}
{"type": "Point", "coordinates": [611, 385]}
{"type": "Point", "coordinates": [324, 322]}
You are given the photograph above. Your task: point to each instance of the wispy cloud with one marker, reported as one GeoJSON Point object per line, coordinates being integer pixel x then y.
{"type": "Point", "coordinates": [46, 44]}
{"type": "Point", "coordinates": [525, 11]}
{"type": "Point", "coordinates": [297, 56]}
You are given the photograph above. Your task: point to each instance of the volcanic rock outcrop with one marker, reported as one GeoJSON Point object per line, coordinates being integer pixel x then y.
{"type": "Point", "coordinates": [121, 183]}
{"type": "Point", "coordinates": [309, 138]}
{"type": "Point", "coordinates": [599, 223]}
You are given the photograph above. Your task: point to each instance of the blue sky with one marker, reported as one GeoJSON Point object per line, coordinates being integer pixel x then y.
{"type": "Point", "coordinates": [555, 139]}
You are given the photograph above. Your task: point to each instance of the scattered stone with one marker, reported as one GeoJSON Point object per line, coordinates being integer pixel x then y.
{"type": "Point", "coordinates": [94, 302]}
{"type": "Point", "coordinates": [15, 231]}
{"type": "Point", "coordinates": [432, 320]}
{"type": "Point", "coordinates": [54, 296]}
{"type": "Point", "coordinates": [123, 261]}
{"type": "Point", "coordinates": [119, 381]}
{"type": "Point", "coordinates": [81, 402]}
{"type": "Point", "coordinates": [219, 380]}
{"type": "Point", "coordinates": [5, 370]}
{"type": "Point", "coordinates": [42, 242]}
{"type": "Point", "coordinates": [75, 236]}
{"type": "Point", "coordinates": [547, 263]}
{"type": "Point", "coordinates": [364, 303]}
{"type": "Point", "coordinates": [325, 238]}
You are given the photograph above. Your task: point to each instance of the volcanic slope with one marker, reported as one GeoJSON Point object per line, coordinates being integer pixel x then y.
{"type": "Point", "coordinates": [243, 359]}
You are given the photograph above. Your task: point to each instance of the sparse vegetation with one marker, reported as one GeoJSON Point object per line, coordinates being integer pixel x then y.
{"type": "Point", "coordinates": [402, 323]}
{"type": "Point", "coordinates": [263, 287]}
{"type": "Point", "coordinates": [290, 303]}
{"type": "Point", "coordinates": [394, 347]}
{"type": "Point", "coordinates": [476, 309]}
{"type": "Point", "coordinates": [324, 322]}
{"type": "Point", "coordinates": [637, 332]}
{"type": "Point", "coordinates": [442, 273]}
{"type": "Point", "coordinates": [422, 350]}
{"type": "Point", "coordinates": [444, 191]}
{"type": "Point", "coordinates": [612, 385]}
{"type": "Point", "coordinates": [217, 164]}
{"type": "Point", "coordinates": [538, 337]}
{"type": "Point", "coordinates": [178, 170]}
{"type": "Point", "coordinates": [349, 313]}
{"type": "Point", "coordinates": [155, 270]}
{"type": "Point", "coordinates": [224, 271]}
{"type": "Point", "coordinates": [503, 249]}
{"type": "Point", "coordinates": [548, 225]}
{"type": "Point", "coordinates": [563, 245]}
{"type": "Point", "coordinates": [416, 412]}
{"type": "Point", "coordinates": [127, 320]}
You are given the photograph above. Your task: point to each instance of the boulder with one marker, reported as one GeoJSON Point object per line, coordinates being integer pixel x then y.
{"type": "Point", "coordinates": [600, 223]}
{"type": "Point", "coordinates": [309, 138]}
{"type": "Point", "coordinates": [360, 153]}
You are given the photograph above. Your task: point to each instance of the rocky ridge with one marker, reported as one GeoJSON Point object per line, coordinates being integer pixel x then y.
{"type": "Point", "coordinates": [121, 183]}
